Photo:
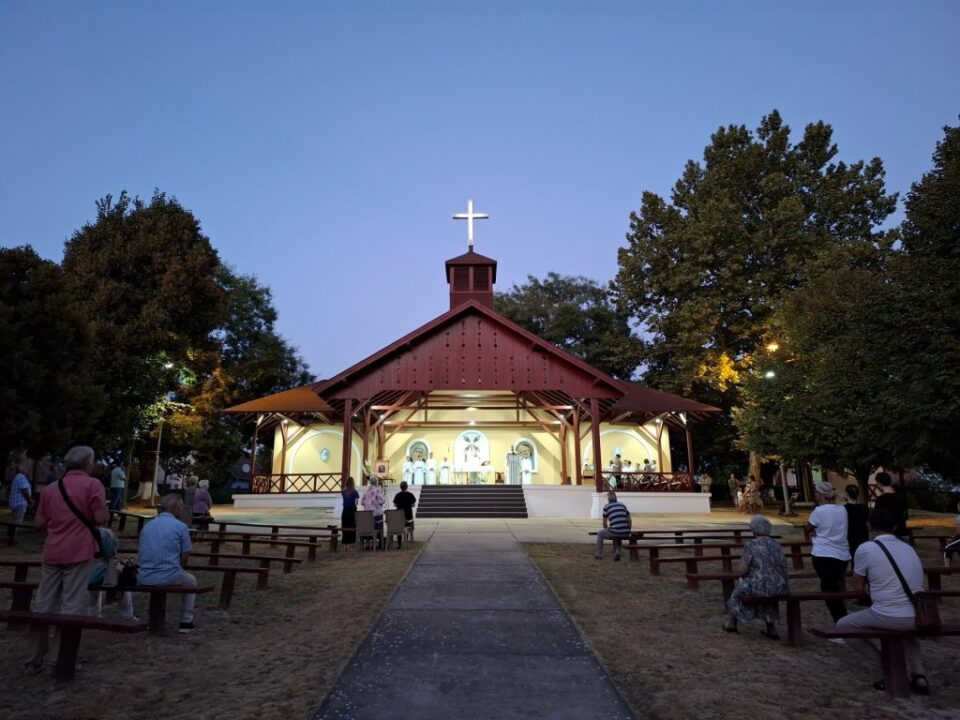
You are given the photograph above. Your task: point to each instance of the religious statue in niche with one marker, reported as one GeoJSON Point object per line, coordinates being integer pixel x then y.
{"type": "Point", "coordinates": [417, 452]}
{"type": "Point", "coordinates": [528, 460]}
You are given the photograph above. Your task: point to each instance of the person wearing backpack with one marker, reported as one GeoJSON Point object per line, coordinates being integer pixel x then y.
{"type": "Point", "coordinates": [894, 574]}
{"type": "Point", "coordinates": [69, 512]}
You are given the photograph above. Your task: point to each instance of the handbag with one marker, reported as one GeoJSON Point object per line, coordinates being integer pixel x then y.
{"type": "Point", "coordinates": [82, 518]}
{"type": "Point", "coordinates": [925, 606]}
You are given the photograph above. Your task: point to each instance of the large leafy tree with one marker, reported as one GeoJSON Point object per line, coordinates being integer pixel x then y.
{"type": "Point", "coordinates": [45, 345]}
{"type": "Point", "coordinates": [575, 314]}
{"type": "Point", "coordinates": [867, 372]}
{"type": "Point", "coordinates": [705, 273]}
{"type": "Point", "coordinates": [145, 278]}
{"type": "Point", "coordinates": [251, 360]}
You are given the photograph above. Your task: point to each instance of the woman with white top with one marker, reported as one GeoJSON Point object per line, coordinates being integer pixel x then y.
{"type": "Point", "coordinates": [831, 553]}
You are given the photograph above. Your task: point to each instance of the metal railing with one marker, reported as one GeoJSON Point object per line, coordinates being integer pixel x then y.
{"type": "Point", "coordinates": [647, 481]}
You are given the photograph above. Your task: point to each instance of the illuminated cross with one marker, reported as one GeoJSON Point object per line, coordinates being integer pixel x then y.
{"type": "Point", "coordinates": [470, 216]}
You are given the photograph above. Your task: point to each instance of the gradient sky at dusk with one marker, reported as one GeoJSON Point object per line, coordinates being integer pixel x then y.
{"type": "Point", "coordinates": [325, 145]}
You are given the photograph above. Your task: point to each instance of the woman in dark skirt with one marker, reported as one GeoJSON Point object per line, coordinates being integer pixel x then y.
{"type": "Point", "coordinates": [348, 519]}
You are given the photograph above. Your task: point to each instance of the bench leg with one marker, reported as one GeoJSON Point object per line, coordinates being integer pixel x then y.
{"type": "Point", "coordinates": [67, 655]}
{"type": "Point", "coordinates": [20, 573]}
{"type": "Point", "coordinates": [633, 554]}
{"type": "Point", "coordinates": [798, 562]}
{"type": "Point", "coordinates": [262, 577]}
{"type": "Point", "coordinates": [226, 589]}
{"type": "Point", "coordinates": [158, 613]}
{"type": "Point", "coordinates": [287, 566]}
{"type": "Point", "coordinates": [893, 660]}
{"type": "Point", "coordinates": [655, 562]}
{"type": "Point", "coordinates": [273, 535]}
{"type": "Point", "coordinates": [727, 564]}
{"type": "Point", "coordinates": [692, 567]}
{"type": "Point", "coordinates": [333, 537]}
{"type": "Point", "coordinates": [20, 601]}
{"type": "Point", "coordinates": [727, 589]}
{"type": "Point", "coordinates": [693, 582]}
{"type": "Point", "coordinates": [934, 581]}
{"type": "Point", "coordinates": [311, 552]}
{"type": "Point", "coordinates": [794, 623]}
{"type": "Point", "coordinates": [245, 546]}
{"type": "Point", "coordinates": [291, 551]}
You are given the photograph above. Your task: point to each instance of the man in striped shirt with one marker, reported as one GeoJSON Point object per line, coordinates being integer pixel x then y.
{"type": "Point", "coordinates": [616, 526]}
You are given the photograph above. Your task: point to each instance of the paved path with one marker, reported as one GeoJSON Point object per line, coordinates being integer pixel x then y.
{"type": "Point", "coordinates": [474, 632]}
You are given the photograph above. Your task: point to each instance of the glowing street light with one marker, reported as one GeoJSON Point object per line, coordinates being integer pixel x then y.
{"type": "Point", "coordinates": [770, 374]}
{"type": "Point", "coordinates": [772, 346]}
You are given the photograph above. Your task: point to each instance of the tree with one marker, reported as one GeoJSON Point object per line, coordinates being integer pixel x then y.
{"type": "Point", "coordinates": [46, 398]}
{"type": "Point", "coordinates": [144, 277]}
{"type": "Point", "coordinates": [705, 273]}
{"type": "Point", "coordinates": [251, 360]}
{"type": "Point", "coordinates": [577, 315]}
{"type": "Point", "coordinates": [866, 375]}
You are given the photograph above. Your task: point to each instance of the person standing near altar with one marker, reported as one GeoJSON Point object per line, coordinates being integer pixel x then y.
{"type": "Point", "coordinates": [431, 470]}
{"type": "Point", "coordinates": [408, 471]}
{"type": "Point", "coordinates": [419, 470]}
{"type": "Point", "coordinates": [445, 472]}
{"type": "Point", "coordinates": [526, 467]}
{"type": "Point", "coordinates": [513, 467]}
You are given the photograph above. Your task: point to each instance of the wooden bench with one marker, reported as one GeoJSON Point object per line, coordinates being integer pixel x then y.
{"type": "Point", "coordinates": [20, 567]}
{"type": "Point", "coordinates": [230, 573]}
{"type": "Point", "coordinates": [316, 531]}
{"type": "Point", "coordinates": [942, 540]}
{"type": "Point", "coordinates": [122, 516]}
{"type": "Point", "coordinates": [728, 580]}
{"type": "Point", "coordinates": [795, 547]}
{"type": "Point", "coordinates": [12, 528]}
{"type": "Point", "coordinates": [158, 601]}
{"type": "Point", "coordinates": [71, 628]}
{"type": "Point", "coordinates": [893, 655]}
{"type": "Point", "coordinates": [264, 560]}
{"type": "Point", "coordinates": [935, 574]}
{"type": "Point", "coordinates": [691, 562]}
{"type": "Point", "coordinates": [793, 600]}
{"type": "Point", "coordinates": [246, 541]}
{"type": "Point", "coordinates": [21, 596]}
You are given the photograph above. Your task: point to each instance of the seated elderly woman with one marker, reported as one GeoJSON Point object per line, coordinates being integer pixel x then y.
{"type": "Point", "coordinates": [764, 575]}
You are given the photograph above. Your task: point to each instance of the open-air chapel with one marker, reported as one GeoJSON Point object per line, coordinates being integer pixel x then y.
{"type": "Point", "coordinates": [482, 418]}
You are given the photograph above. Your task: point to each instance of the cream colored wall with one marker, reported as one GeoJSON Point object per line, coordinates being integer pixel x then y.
{"type": "Point", "coordinates": [305, 446]}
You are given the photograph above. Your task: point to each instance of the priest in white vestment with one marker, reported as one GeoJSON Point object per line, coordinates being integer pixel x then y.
{"type": "Point", "coordinates": [445, 472]}
{"type": "Point", "coordinates": [408, 471]}
{"type": "Point", "coordinates": [431, 470]}
{"type": "Point", "coordinates": [419, 471]}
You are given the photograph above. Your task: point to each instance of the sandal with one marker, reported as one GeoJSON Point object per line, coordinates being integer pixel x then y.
{"type": "Point", "coordinates": [919, 684]}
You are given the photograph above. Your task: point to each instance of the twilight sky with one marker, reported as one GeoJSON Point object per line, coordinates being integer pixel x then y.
{"type": "Point", "coordinates": [325, 145]}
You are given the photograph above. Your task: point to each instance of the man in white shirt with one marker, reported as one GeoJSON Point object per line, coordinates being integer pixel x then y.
{"type": "Point", "coordinates": [891, 609]}
{"type": "Point", "coordinates": [830, 551]}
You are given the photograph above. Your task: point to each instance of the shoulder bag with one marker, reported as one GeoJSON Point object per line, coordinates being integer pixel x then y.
{"type": "Point", "coordinates": [925, 607]}
{"type": "Point", "coordinates": [82, 518]}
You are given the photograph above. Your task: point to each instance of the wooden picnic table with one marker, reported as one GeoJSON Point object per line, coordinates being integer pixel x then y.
{"type": "Point", "coordinates": [725, 548]}
{"type": "Point", "coordinates": [230, 573]}
{"type": "Point", "coordinates": [158, 601]}
{"type": "Point", "coordinates": [331, 531]}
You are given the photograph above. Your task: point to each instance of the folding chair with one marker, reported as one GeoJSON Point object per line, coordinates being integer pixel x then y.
{"type": "Point", "coordinates": [365, 528]}
{"type": "Point", "coordinates": [397, 525]}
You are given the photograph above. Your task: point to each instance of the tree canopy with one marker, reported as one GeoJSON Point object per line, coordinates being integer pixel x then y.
{"type": "Point", "coordinates": [145, 278]}
{"type": "Point", "coordinates": [706, 272]}
{"type": "Point", "coordinates": [576, 314]}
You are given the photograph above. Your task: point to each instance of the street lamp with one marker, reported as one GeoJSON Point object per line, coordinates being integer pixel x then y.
{"type": "Point", "coordinates": [787, 512]}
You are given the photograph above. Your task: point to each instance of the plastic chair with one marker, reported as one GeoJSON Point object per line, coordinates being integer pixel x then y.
{"type": "Point", "coordinates": [397, 525]}
{"type": "Point", "coordinates": [365, 528]}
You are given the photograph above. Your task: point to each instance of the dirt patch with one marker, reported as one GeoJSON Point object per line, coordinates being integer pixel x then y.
{"type": "Point", "coordinates": [272, 656]}
{"type": "Point", "coordinates": [663, 647]}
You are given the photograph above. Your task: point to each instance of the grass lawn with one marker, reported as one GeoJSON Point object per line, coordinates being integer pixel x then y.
{"type": "Point", "coordinates": [273, 655]}
{"type": "Point", "coordinates": [663, 647]}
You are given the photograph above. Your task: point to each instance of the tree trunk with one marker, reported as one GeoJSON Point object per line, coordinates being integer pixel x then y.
{"type": "Point", "coordinates": [754, 467]}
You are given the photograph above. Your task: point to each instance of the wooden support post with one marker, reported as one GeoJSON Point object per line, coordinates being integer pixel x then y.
{"type": "Point", "coordinates": [564, 477]}
{"type": "Point", "coordinates": [597, 456]}
{"type": "Point", "coordinates": [253, 453]}
{"type": "Point", "coordinates": [283, 455]}
{"type": "Point", "coordinates": [690, 464]}
{"type": "Point", "coordinates": [347, 445]}
{"type": "Point", "coordinates": [659, 423]}
{"type": "Point", "coordinates": [577, 461]}
{"type": "Point", "coordinates": [366, 439]}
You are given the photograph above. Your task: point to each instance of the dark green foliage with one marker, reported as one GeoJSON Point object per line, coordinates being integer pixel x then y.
{"type": "Point", "coordinates": [144, 276]}
{"type": "Point", "coordinates": [706, 273]}
{"type": "Point", "coordinates": [46, 398]}
{"type": "Point", "coordinates": [578, 315]}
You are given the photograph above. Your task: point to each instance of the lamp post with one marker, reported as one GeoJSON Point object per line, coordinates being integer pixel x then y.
{"type": "Point", "coordinates": [772, 347]}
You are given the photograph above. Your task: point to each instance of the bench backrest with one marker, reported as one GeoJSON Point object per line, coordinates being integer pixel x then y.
{"type": "Point", "coordinates": [396, 519]}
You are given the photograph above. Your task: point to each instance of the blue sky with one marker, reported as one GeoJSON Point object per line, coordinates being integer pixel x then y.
{"type": "Point", "coordinates": [325, 145]}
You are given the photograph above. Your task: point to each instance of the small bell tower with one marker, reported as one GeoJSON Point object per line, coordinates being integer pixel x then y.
{"type": "Point", "coordinates": [471, 276]}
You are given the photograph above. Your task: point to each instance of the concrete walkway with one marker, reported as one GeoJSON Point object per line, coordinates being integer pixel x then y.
{"type": "Point", "coordinates": [473, 632]}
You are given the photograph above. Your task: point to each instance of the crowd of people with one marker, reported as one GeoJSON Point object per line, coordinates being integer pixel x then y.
{"type": "Point", "coordinates": [374, 500]}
